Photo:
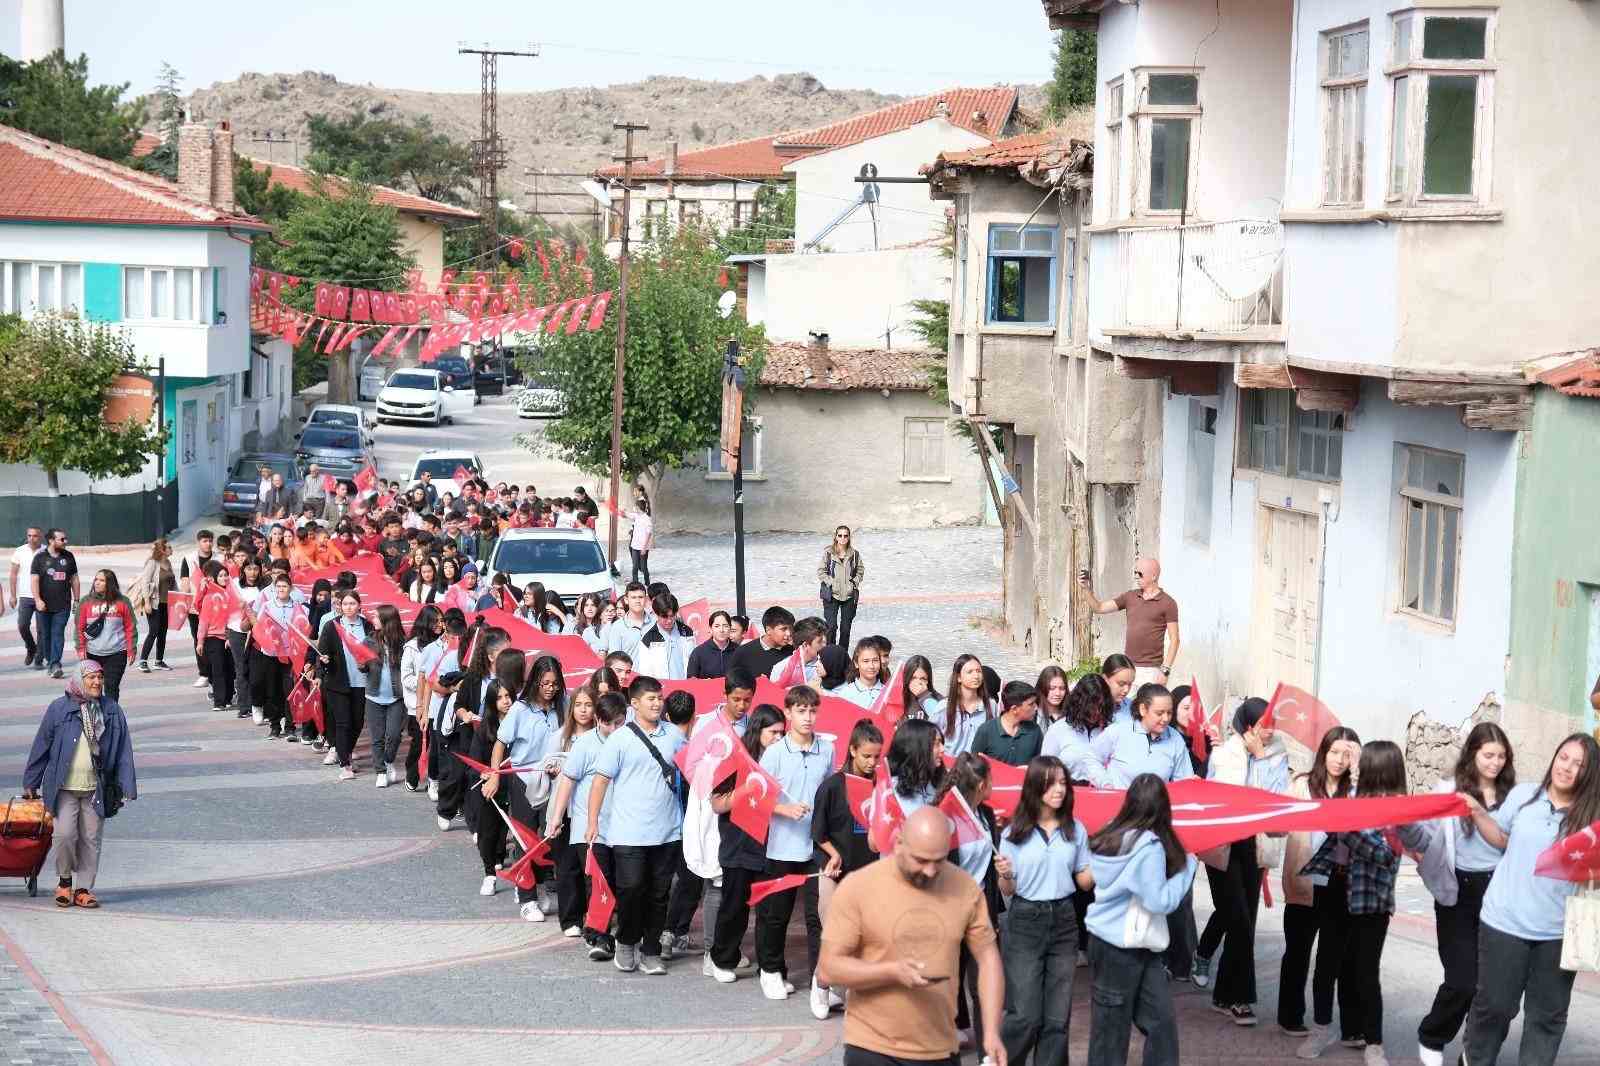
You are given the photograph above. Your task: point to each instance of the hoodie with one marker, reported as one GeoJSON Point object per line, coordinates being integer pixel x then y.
{"type": "Point", "coordinates": [1139, 871]}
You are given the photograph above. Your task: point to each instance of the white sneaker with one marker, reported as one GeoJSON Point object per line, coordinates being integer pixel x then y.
{"type": "Point", "coordinates": [200, 682]}
{"type": "Point", "coordinates": [1375, 1056]}
{"type": "Point", "coordinates": [572, 932]}
{"type": "Point", "coordinates": [1313, 1046]}
{"type": "Point", "coordinates": [717, 973]}
{"type": "Point", "coordinates": [773, 985]}
{"type": "Point", "coordinates": [433, 791]}
{"type": "Point", "coordinates": [744, 962]}
{"type": "Point", "coordinates": [490, 886]}
{"type": "Point", "coordinates": [442, 822]}
{"type": "Point", "coordinates": [1430, 1057]}
{"type": "Point", "coordinates": [627, 957]}
{"type": "Point", "coordinates": [392, 774]}
{"type": "Point", "coordinates": [257, 717]}
{"type": "Point", "coordinates": [788, 987]}
{"type": "Point", "coordinates": [531, 912]}
{"type": "Point", "coordinates": [347, 774]}
{"type": "Point", "coordinates": [835, 1000]}
{"type": "Point", "coordinates": [383, 779]}
{"type": "Point", "coordinates": [330, 759]}
{"type": "Point", "coordinates": [819, 1002]}
{"type": "Point", "coordinates": [474, 838]}
{"type": "Point", "coordinates": [653, 966]}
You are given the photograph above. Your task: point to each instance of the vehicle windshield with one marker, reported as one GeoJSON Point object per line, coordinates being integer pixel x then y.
{"type": "Point", "coordinates": [426, 382]}
{"type": "Point", "coordinates": [442, 469]}
{"type": "Point", "coordinates": [334, 439]}
{"type": "Point", "coordinates": [452, 363]}
{"type": "Point", "coordinates": [248, 469]}
{"type": "Point", "coordinates": [565, 555]}
{"type": "Point", "coordinates": [324, 417]}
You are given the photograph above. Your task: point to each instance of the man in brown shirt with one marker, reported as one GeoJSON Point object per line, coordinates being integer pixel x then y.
{"type": "Point", "coordinates": [1152, 623]}
{"type": "Point", "coordinates": [893, 937]}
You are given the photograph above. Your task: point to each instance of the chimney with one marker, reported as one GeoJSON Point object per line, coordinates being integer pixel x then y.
{"type": "Point", "coordinates": [818, 362]}
{"type": "Point", "coordinates": [205, 164]}
{"type": "Point", "coordinates": [222, 170]}
{"type": "Point", "coordinates": [941, 109]}
{"type": "Point", "coordinates": [672, 159]}
{"type": "Point", "coordinates": [41, 29]}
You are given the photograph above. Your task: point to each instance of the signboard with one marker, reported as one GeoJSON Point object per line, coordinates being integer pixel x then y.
{"type": "Point", "coordinates": [732, 416]}
{"type": "Point", "coordinates": [130, 397]}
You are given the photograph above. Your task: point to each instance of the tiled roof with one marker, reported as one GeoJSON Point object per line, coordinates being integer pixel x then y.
{"type": "Point", "coordinates": [792, 365]}
{"type": "Point", "coordinates": [1580, 377]}
{"type": "Point", "coordinates": [147, 143]}
{"type": "Point", "coordinates": [760, 157]}
{"type": "Point", "coordinates": [1052, 155]}
{"type": "Point", "coordinates": [44, 181]}
{"type": "Point", "coordinates": [299, 179]}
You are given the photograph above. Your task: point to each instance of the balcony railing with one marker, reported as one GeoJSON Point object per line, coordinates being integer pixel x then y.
{"type": "Point", "coordinates": [1220, 277]}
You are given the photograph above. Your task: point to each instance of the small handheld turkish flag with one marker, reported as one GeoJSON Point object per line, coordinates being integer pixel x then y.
{"type": "Point", "coordinates": [754, 798]}
{"type": "Point", "coordinates": [305, 705]}
{"type": "Point", "coordinates": [794, 672]}
{"type": "Point", "coordinates": [760, 890]}
{"type": "Point", "coordinates": [1299, 714]}
{"type": "Point", "coordinates": [1572, 858]}
{"type": "Point", "coordinates": [270, 636]}
{"type": "Point", "coordinates": [367, 478]}
{"type": "Point", "coordinates": [358, 651]}
{"type": "Point", "coordinates": [601, 900]}
{"type": "Point", "coordinates": [178, 609]}
{"type": "Point", "coordinates": [886, 813]}
{"type": "Point", "coordinates": [461, 476]}
{"type": "Point", "coordinates": [966, 829]}
{"type": "Point", "coordinates": [696, 616]}
{"type": "Point", "coordinates": [710, 754]}
{"type": "Point", "coordinates": [330, 483]}
{"type": "Point", "coordinates": [1197, 721]}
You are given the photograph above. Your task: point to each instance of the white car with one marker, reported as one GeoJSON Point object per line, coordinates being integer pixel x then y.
{"type": "Point", "coordinates": [419, 395]}
{"type": "Point", "coordinates": [539, 400]}
{"type": "Point", "coordinates": [441, 463]}
{"type": "Point", "coordinates": [569, 562]}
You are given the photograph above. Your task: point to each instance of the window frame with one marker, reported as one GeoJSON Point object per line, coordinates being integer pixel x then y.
{"type": "Point", "coordinates": [944, 450]}
{"type": "Point", "coordinates": [690, 211]}
{"type": "Point", "coordinates": [1116, 117]}
{"type": "Point", "coordinates": [9, 269]}
{"type": "Point", "coordinates": [991, 276]}
{"type": "Point", "coordinates": [1291, 428]}
{"type": "Point", "coordinates": [755, 427]}
{"type": "Point", "coordinates": [1334, 90]}
{"type": "Point", "coordinates": [1417, 71]}
{"type": "Point", "coordinates": [202, 313]}
{"type": "Point", "coordinates": [1409, 496]}
{"type": "Point", "coordinates": [1144, 114]}
{"type": "Point", "coordinates": [651, 215]}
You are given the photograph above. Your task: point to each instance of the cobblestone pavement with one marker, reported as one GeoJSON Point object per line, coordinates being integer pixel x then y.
{"type": "Point", "coordinates": [31, 1033]}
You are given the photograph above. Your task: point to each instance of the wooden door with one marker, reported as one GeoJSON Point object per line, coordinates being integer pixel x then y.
{"type": "Point", "coordinates": [1285, 623]}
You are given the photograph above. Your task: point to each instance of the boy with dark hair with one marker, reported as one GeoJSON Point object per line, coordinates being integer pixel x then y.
{"type": "Point", "coordinates": [758, 657]}
{"type": "Point", "coordinates": [1013, 737]}
{"type": "Point", "coordinates": [810, 637]}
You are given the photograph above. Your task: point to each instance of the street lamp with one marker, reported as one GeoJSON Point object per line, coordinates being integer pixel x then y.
{"type": "Point", "coordinates": [733, 383]}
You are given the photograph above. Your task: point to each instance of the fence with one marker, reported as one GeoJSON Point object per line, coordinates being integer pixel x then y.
{"type": "Point", "coordinates": [1220, 277]}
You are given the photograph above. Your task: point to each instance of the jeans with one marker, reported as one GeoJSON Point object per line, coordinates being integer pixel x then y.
{"type": "Point", "coordinates": [1239, 903]}
{"type": "Point", "coordinates": [1129, 988]}
{"type": "Point", "coordinates": [78, 833]}
{"type": "Point", "coordinates": [774, 912]}
{"type": "Point", "coordinates": [1181, 937]}
{"type": "Point", "coordinates": [1334, 964]}
{"type": "Point", "coordinates": [733, 915]}
{"type": "Point", "coordinates": [112, 666]}
{"type": "Point", "coordinates": [155, 635]}
{"type": "Point", "coordinates": [1457, 932]}
{"type": "Point", "coordinates": [641, 565]}
{"type": "Point", "coordinates": [52, 636]}
{"type": "Point", "coordinates": [643, 884]}
{"type": "Point", "coordinates": [1509, 969]}
{"type": "Point", "coordinates": [26, 621]}
{"type": "Point", "coordinates": [1299, 936]}
{"type": "Point", "coordinates": [1041, 956]}
{"type": "Point", "coordinates": [347, 710]}
{"type": "Point", "coordinates": [387, 721]}
{"type": "Point", "coordinates": [687, 891]}
{"type": "Point", "coordinates": [837, 616]}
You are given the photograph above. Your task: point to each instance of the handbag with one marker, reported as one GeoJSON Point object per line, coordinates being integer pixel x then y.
{"type": "Point", "coordinates": [110, 787]}
{"type": "Point", "coordinates": [1580, 937]}
{"type": "Point", "coordinates": [92, 630]}
{"type": "Point", "coordinates": [1142, 930]}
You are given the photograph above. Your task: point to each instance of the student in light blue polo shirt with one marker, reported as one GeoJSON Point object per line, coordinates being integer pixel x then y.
{"type": "Point", "coordinates": [863, 682]}
{"type": "Point", "coordinates": [1146, 743]}
{"type": "Point", "coordinates": [1523, 918]}
{"type": "Point", "coordinates": [965, 708]}
{"type": "Point", "coordinates": [528, 735]}
{"type": "Point", "coordinates": [635, 786]}
{"type": "Point", "coordinates": [570, 804]}
{"type": "Point", "coordinates": [1086, 715]}
{"type": "Point", "coordinates": [800, 761]}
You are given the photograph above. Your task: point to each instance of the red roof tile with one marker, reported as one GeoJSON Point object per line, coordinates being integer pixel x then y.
{"type": "Point", "coordinates": [755, 158]}
{"type": "Point", "coordinates": [44, 181]}
{"type": "Point", "coordinates": [147, 143]}
{"type": "Point", "coordinates": [793, 365]}
{"type": "Point", "coordinates": [299, 179]}
{"type": "Point", "coordinates": [1580, 377]}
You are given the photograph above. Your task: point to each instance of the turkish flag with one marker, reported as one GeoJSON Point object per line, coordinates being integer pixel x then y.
{"type": "Point", "coordinates": [754, 798]}
{"type": "Point", "coordinates": [760, 890]}
{"type": "Point", "coordinates": [1005, 784]}
{"type": "Point", "coordinates": [485, 770]}
{"type": "Point", "coordinates": [794, 672]}
{"type": "Point", "coordinates": [697, 616]}
{"type": "Point", "coordinates": [359, 651]}
{"type": "Point", "coordinates": [270, 636]}
{"type": "Point", "coordinates": [887, 816]}
{"type": "Point", "coordinates": [1572, 858]}
{"type": "Point", "coordinates": [529, 840]}
{"type": "Point", "coordinates": [1300, 714]}
{"type": "Point", "coordinates": [601, 900]}
{"type": "Point", "coordinates": [367, 478]}
{"type": "Point", "coordinates": [461, 476]}
{"type": "Point", "coordinates": [305, 704]}
{"type": "Point", "coordinates": [178, 609]}
{"type": "Point", "coordinates": [450, 644]}
{"type": "Point", "coordinates": [571, 650]}
{"type": "Point", "coordinates": [710, 754]}
{"type": "Point", "coordinates": [215, 604]}
{"type": "Point", "coordinates": [575, 319]}
{"type": "Point", "coordinates": [329, 483]}
{"type": "Point", "coordinates": [1197, 721]}
{"type": "Point", "coordinates": [858, 794]}
{"type": "Point", "coordinates": [519, 873]}
{"type": "Point", "coordinates": [890, 706]}
{"type": "Point", "coordinates": [966, 827]}
{"type": "Point", "coordinates": [597, 311]}
{"type": "Point", "coordinates": [836, 720]}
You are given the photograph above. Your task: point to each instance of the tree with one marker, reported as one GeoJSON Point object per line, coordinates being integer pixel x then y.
{"type": "Point", "coordinates": [168, 103]}
{"type": "Point", "coordinates": [672, 386]}
{"type": "Point", "coordinates": [54, 375]}
{"type": "Point", "coordinates": [272, 204]}
{"type": "Point", "coordinates": [773, 220]}
{"type": "Point", "coordinates": [391, 152]}
{"type": "Point", "coordinates": [1072, 84]}
{"type": "Point", "coordinates": [51, 98]}
{"type": "Point", "coordinates": [339, 235]}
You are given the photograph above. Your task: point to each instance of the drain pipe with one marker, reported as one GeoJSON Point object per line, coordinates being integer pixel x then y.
{"type": "Point", "coordinates": [1329, 515]}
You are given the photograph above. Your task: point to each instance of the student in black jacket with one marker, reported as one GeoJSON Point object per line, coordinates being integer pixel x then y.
{"type": "Point", "coordinates": [344, 683]}
{"type": "Point", "coordinates": [758, 657]}
{"type": "Point", "coordinates": [834, 826]}
{"type": "Point", "coordinates": [742, 857]}
{"type": "Point", "coordinates": [711, 657]}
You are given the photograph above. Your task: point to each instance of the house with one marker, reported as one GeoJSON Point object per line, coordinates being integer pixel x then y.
{"type": "Point", "coordinates": [1076, 437]}
{"type": "Point", "coordinates": [1323, 229]}
{"type": "Point", "coordinates": [849, 436]}
{"type": "Point", "coordinates": [170, 266]}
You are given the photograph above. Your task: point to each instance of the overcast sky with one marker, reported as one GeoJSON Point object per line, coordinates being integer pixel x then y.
{"type": "Point", "coordinates": [897, 46]}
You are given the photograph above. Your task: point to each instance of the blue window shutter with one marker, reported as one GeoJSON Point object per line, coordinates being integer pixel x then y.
{"type": "Point", "coordinates": [102, 292]}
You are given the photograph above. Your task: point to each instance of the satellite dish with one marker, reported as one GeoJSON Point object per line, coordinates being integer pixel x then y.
{"type": "Point", "coordinates": [598, 191]}
{"type": "Point", "coordinates": [727, 302]}
{"type": "Point", "coordinates": [869, 170]}
{"type": "Point", "coordinates": [1241, 256]}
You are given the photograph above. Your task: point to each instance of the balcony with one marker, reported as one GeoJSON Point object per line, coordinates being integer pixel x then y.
{"type": "Point", "coordinates": [1217, 278]}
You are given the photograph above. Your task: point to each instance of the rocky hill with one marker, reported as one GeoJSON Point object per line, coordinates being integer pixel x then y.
{"type": "Point", "coordinates": [556, 130]}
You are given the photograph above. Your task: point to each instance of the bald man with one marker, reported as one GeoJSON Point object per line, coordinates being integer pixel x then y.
{"type": "Point", "coordinates": [1152, 641]}
{"type": "Point", "coordinates": [893, 937]}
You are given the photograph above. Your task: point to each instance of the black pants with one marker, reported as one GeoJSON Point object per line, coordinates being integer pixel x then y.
{"type": "Point", "coordinates": [438, 753]}
{"type": "Point", "coordinates": [414, 751]}
{"type": "Point", "coordinates": [269, 679]}
{"type": "Point", "coordinates": [239, 647]}
{"type": "Point", "coordinates": [202, 660]}
{"type": "Point", "coordinates": [641, 565]}
{"type": "Point", "coordinates": [219, 671]}
{"type": "Point", "coordinates": [837, 616]}
{"type": "Point", "coordinates": [1365, 948]}
{"type": "Point", "coordinates": [1181, 938]}
{"type": "Point", "coordinates": [1457, 933]}
{"type": "Point", "coordinates": [1512, 969]}
{"type": "Point", "coordinates": [450, 772]}
{"type": "Point", "coordinates": [1334, 965]}
{"type": "Point", "coordinates": [774, 912]}
{"type": "Point", "coordinates": [688, 889]}
{"type": "Point", "coordinates": [1080, 908]}
{"type": "Point", "coordinates": [26, 624]}
{"type": "Point", "coordinates": [113, 666]}
{"type": "Point", "coordinates": [643, 885]}
{"type": "Point", "coordinates": [733, 915]}
{"type": "Point", "coordinates": [155, 635]}
{"type": "Point", "coordinates": [347, 714]}
{"type": "Point", "coordinates": [1130, 990]}
{"type": "Point", "coordinates": [572, 889]}
{"type": "Point", "coordinates": [1239, 903]}
{"type": "Point", "coordinates": [492, 832]}
{"type": "Point", "coordinates": [1299, 936]}
{"type": "Point", "coordinates": [1216, 925]}
{"type": "Point", "coordinates": [856, 1056]}
{"type": "Point", "coordinates": [1040, 954]}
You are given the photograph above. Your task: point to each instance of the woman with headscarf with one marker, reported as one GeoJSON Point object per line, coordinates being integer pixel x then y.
{"type": "Point", "coordinates": [82, 747]}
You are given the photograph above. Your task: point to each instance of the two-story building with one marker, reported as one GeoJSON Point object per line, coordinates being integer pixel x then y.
{"type": "Point", "coordinates": [1322, 226]}
{"type": "Point", "coordinates": [170, 266]}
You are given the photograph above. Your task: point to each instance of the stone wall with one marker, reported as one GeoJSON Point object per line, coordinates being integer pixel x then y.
{"type": "Point", "coordinates": [1432, 747]}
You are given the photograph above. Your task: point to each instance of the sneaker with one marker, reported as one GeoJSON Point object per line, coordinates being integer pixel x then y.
{"type": "Point", "coordinates": [490, 885]}
{"type": "Point", "coordinates": [291, 737]}
{"type": "Point", "coordinates": [1201, 975]}
{"type": "Point", "coordinates": [200, 682]}
{"type": "Point", "coordinates": [413, 788]}
{"type": "Point", "coordinates": [653, 965]}
{"type": "Point", "coordinates": [572, 932]}
{"type": "Point", "coordinates": [1313, 1046]}
{"type": "Point", "coordinates": [1294, 1029]}
{"type": "Point", "coordinates": [599, 952]}
{"type": "Point", "coordinates": [144, 667]}
{"type": "Point", "coordinates": [744, 963]}
{"type": "Point", "coordinates": [383, 779]}
{"type": "Point", "coordinates": [1354, 1042]}
{"type": "Point", "coordinates": [257, 717]}
{"type": "Point", "coordinates": [393, 774]}
{"type": "Point", "coordinates": [331, 758]}
{"type": "Point", "coordinates": [788, 987]}
{"type": "Point", "coordinates": [433, 791]}
{"type": "Point", "coordinates": [319, 745]}
{"type": "Point", "coordinates": [531, 912]}
{"type": "Point", "coordinates": [627, 957]}
{"type": "Point", "coordinates": [161, 664]}
{"type": "Point", "coordinates": [682, 945]}
{"type": "Point", "coordinates": [772, 985]}
{"type": "Point", "coordinates": [1243, 1014]}
{"type": "Point", "coordinates": [1375, 1056]}
{"type": "Point", "coordinates": [717, 973]}
{"type": "Point", "coordinates": [475, 840]}
{"type": "Point", "coordinates": [346, 774]}
{"type": "Point", "coordinates": [666, 945]}
{"type": "Point", "coordinates": [1222, 1008]}
{"type": "Point", "coordinates": [819, 1002]}
{"type": "Point", "coordinates": [56, 672]}
{"type": "Point", "coordinates": [835, 1000]}
{"type": "Point", "coordinates": [1182, 978]}
{"type": "Point", "coordinates": [442, 822]}
{"type": "Point", "coordinates": [1429, 1057]}
{"type": "Point", "coordinates": [40, 664]}
{"type": "Point", "coordinates": [243, 712]}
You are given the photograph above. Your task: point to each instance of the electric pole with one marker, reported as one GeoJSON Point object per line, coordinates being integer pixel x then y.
{"type": "Point", "coordinates": [489, 151]}
{"type": "Point", "coordinates": [627, 159]}
{"type": "Point", "coordinates": [269, 140]}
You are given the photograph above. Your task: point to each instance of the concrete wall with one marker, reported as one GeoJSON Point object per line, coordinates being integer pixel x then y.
{"type": "Point", "coordinates": [715, 199]}
{"type": "Point", "coordinates": [423, 239]}
{"type": "Point", "coordinates": [1555, 576]}
{"type": "Point", "coordinates": [826, 185]}
{"type": "Point", "coordinates": [1379, 667]}
{"type": "Point", "coordinates": [1342, 293]}
{"type": "Point", "coordinates": [828, 458]}
{"type": "Point", "coordinates": [854, 297]}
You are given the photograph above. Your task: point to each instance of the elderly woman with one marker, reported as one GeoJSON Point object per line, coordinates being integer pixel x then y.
{"type": "Point", "coordinates": [82, 746]}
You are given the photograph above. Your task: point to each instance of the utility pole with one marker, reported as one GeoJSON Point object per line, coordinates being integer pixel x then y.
{"type": "Point", "coordinates": [489, 151]}
{"type": "Point", "coordinates": [269, 140]}
{"type": "Point", "coordinates": [627, 159]}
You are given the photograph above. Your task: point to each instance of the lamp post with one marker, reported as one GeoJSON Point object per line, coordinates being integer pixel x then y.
{"type": "Point", "coordinates": [733, 382]}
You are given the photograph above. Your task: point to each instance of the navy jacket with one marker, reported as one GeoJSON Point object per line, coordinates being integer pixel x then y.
{"type": "Point", "coordinates": [57, 739]}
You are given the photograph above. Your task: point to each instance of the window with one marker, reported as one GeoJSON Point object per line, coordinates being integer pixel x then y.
{"type": "Point", "coordinates": [171, 294]}
{"type": "Point", "coordinates": [923, 449]}
{"type": "Point", "coordinates": [750, 460]}
{"type": "Point", "coordinates": [1344, 110]}
{"type": "Point", "coordinates": [1277, 437]}
{"type": "Point", "coordinates": [1167, 115]}
{"type": "Point", "coordinates": [744, 212]}
{"type": "Point", "coordinates": [655, 219]}
{"type": "Point", "coordinates": [688, 211]}
{"type": "Point", "coordinates": [1022, 274]}
{"type": "Point", "coordinates": [1442, 91]}
{"type": "Point", "coordinates": [1201, 472]}
{"type": "Point", "coordinates": [1114, 148]}
{"type": "Point", "coordinates": [1431, 496]}
{"type": "Point", "coordinates": [33, 288]}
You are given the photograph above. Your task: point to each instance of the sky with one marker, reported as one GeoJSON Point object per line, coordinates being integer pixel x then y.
{"type": "Point", "coordinates": [893, 46]}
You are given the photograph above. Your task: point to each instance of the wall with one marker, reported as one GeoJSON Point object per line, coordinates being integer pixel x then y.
{"type": "Point", "coordinates": [853, 297]}
{"type": "Point", "coordinates": [852, 442]}
{"type": "Point", "coordinates": [423, 239]}
{"type": "Point", "coordinates": [715, 197]}
{"type": "Point", "coordinates": [1555, 572]}
{"type": "Point", "coordinates": [1341, 287]}
{"type": "Point", "coordinates": [826, 186]}
{"type": "Point", "coordinates": [1378, 667]}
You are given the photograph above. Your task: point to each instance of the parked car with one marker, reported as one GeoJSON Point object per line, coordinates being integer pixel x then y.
{"type": "Point", "coordinates": [373, 371]}
{"type": "Point", "coordinates": [541, 398]}
{"type": "Point", "coordinates": [338, 450]}
{"type": "Point", "coordinates": [568, 562]}
{"type": "Point", "coordinates": [416, 395]}
{"type": "Point", "coordinates": [239, 494]}
{"type": "Point", "coordinates": [340, 414]}
{"type": "Point", "coordinates": [490, 378]}
{"type": "Point", "coordinates": [441, 464]}
{"type": "Point", "coordinates": [457, 373]}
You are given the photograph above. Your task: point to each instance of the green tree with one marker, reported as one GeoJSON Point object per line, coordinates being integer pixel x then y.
{"type": "Point", "coordinates": [1072, 84]}
{"type": "Point", "coordinates": [338, 234]}
{"type": "Point", "coordinates": [672, 385]}
{"type": "Point", "coordinates": [272, 204]}
{"type": "Point", "coordinates": [461, 242]}
{"type": "Point", "coordinates": [392, 152]}
{"type": "Point", "coordinates": [54, 374]}
{"type": "Point", "coordinates": [168, 104]}
{"type": "Point", "coordinates": [52, 98]}
{"type": "Point", "coordinates": [774, 220]}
